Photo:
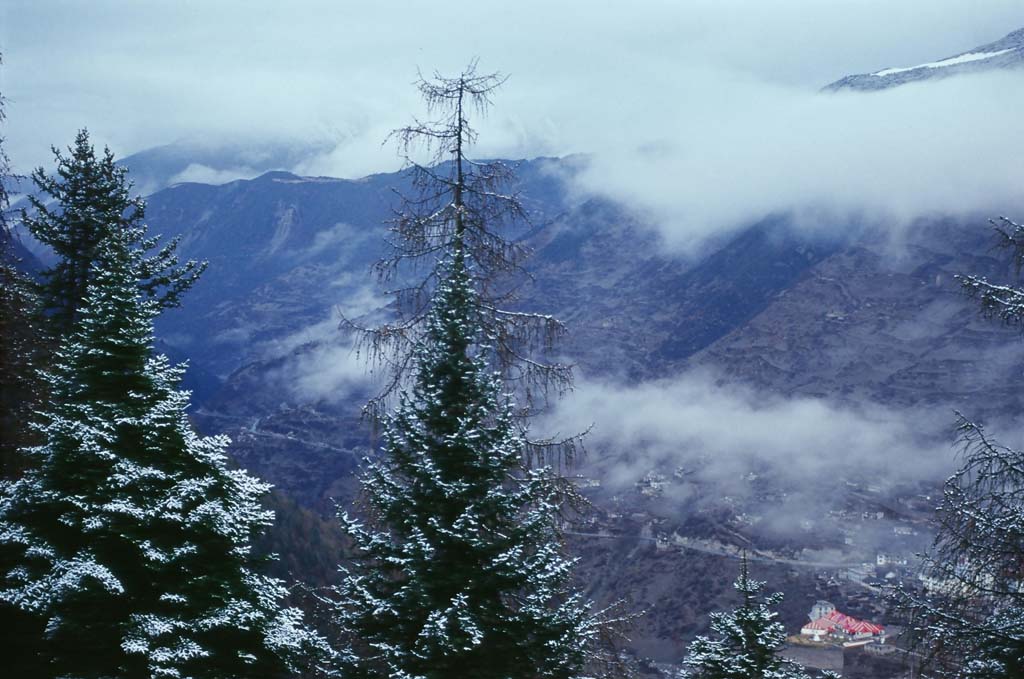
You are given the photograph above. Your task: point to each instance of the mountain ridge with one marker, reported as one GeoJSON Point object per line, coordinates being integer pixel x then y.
{"type": "Point", "coordinates": [1007, 53]}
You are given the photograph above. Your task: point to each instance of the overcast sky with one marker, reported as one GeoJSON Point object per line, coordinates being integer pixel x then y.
{"type": "Point", "coordinates": [696, 110]}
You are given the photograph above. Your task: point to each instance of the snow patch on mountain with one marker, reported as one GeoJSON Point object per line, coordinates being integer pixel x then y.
{"type": "Point", "coordinates": [1004, 54]}
{"type": "Point", "coordinates": [952, 61]}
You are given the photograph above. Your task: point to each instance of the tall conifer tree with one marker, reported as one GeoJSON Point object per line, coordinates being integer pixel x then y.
{"type": "Point", "coordinates": [130, 534]}
{"type": "Point", "coordinates": [463, 575]}
{"type": "Point", "coordinates": [88, 199]}
{"type": "Point", "coordinates": [19, 356]}
{"type": "Point", "coordinates": [459, 570]}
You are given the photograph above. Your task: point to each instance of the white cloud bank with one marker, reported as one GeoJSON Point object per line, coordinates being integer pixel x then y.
{"type": "Point", "coordinates": [742, 150]}
{"type": "Point", "coordinates": [321, 363]}
{"type": "Point", "coordinates": [331, 372]}
{"type": "Point", "coordinates": [316, 363]}
{"type": "Point", "coordinates": [703, 114]}
{"type": "Point", "coordinates": [204, 174]}
{"type": "Point", "coordinates": [725, 431]}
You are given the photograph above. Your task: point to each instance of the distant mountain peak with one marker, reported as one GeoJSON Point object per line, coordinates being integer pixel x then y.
{"type": "Point", "coordinates": [215, 162]}
{"type": "Point", "coordinates": [1006, 53]}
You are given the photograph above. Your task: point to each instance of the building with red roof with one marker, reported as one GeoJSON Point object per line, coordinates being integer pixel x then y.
{"type": "Point", "coordinates": [828, 623]}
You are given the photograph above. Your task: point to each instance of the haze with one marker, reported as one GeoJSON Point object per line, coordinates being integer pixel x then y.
{"type": "Point", "coordinates": [702, 114]}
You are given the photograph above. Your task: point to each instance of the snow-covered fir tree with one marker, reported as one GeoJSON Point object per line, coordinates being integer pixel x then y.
{"type": "Point", "coordinates": [75, 209]}
{"type": "Point", "coordinates": [20, 395]}
{"type": "Point", "coordinates": [130, 535]}
{"type": "Point", "coordinates": [746, 641]}
{"type": "Point", "coordinates": [459, 569]}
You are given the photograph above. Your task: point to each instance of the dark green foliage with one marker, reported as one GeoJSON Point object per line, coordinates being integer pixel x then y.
{"type": "Point", "coordinates": [465, 577]}
{"type": "Point", "coordinates": [87, 201]}
{"type": "Point", "coordinates": [306, 544]}
{"type": "Point", "coordinates": [129, 534]}
{"type": "Point", "coordinates": [459, 570]}
{"type": "Point", "coordinates": [20, 353]}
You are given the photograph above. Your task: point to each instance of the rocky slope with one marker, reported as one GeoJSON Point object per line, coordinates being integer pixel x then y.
{"type": "Point", "coordinates": [885, 322]}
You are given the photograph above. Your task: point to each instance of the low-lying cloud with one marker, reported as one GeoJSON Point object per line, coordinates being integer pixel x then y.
{"type": "Point", "coordinates": [316, 364]}
{"type": "Point", "coordinates": [703, 115]}
{"type": "Point", "coordinates": [332, 237]}
{"type": "Point", "coordinates": [319, 362]}
{"type": "Point", "coordinates": [329, 372]}
{"type": "Point", "coordinates": [204, 174]}
{"type": "Point", "coordinates": [722, 432]}
{"type": "Point", "coordinates": [737, 151]}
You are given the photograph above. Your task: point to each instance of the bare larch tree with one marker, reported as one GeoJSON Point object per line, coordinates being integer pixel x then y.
{"type": "Point", "coordinates": [465, 208]}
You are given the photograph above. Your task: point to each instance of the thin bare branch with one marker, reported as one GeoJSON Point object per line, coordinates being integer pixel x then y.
{"type": "Point", "coordinates": [465, 206]}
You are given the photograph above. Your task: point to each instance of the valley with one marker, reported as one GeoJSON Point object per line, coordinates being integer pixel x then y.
{"type": "Point", "coordinates": [858, 321]}
{"type": "Point", "coordinates": [776, 367]}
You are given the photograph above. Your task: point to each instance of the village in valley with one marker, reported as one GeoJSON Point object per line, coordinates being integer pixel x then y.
{"type": "Point", "coordinates": [842, 559]}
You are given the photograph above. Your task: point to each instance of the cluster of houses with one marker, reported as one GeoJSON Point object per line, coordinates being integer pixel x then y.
{"type": "Point", "coordinates": [652, 484]}
{"type": "Point", "coordinates": [828, 624]}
